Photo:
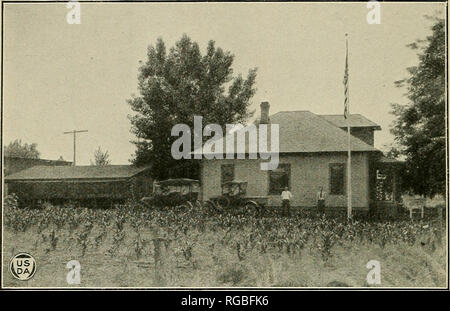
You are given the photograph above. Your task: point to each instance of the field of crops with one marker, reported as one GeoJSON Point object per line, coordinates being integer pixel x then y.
{"type": "Point", "coordinates": [132, 246]}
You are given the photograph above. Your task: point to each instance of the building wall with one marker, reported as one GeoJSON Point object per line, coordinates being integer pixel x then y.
{"type": "Point", "coordinates": [308, 173]}
{"type": "Point", "coordinates": [363, 133]}
{"type": "Point", "coordinates": [71, 190]}
{"type": "Point", "coordinates": [119, 189]}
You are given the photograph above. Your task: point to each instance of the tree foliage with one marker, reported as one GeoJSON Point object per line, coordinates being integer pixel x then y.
{"type": "Point", "coordinates": [19, 150]}
{"type": "Point", "coordinates": [174, 87]}
{"type": "Point", "coordinates": [101, 158]}
{"type": "Point", "coordinates": [419, 127]}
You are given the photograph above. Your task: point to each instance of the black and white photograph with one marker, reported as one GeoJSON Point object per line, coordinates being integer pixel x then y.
{"type": "Point", "coordinates": [224, 145]}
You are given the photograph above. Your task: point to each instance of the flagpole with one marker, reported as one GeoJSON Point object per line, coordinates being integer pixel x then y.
{"type": "Point", "coordinates": [349, 153]}
{"type": "Point", "coordinates": [349, 174]}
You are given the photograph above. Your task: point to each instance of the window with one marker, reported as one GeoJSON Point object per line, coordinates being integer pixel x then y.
{"type": "Point", "coordinates": [227, 172]}
{"type": "Point", "coordinates": [279, 178]}
{"type": "Point", "coordinates": [337, 178]}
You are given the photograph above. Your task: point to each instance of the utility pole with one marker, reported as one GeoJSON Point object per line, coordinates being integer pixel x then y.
{"type": "Point", "coordinates": [74, 132]}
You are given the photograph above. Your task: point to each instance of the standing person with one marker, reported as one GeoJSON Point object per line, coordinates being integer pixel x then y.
{"type": "Point", "coordinates": [286, 196]}
{"type": "Point", "coordinates": [321, 201]}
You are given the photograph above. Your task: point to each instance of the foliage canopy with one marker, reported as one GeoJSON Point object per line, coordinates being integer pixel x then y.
{"type": "Point", "coordinates": [176, 85]}
{"type": "Point", "coordinates": [419, 127]}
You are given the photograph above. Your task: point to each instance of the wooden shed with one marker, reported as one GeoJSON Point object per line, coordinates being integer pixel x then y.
{"type": "Point", "coordinates": [87, 184]}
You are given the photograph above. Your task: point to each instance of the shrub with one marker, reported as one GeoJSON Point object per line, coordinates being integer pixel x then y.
{"type": "Point", "coordinates": [11, 201]}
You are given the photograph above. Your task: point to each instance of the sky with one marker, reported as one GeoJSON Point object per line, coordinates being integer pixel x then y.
{"type": "Point", "coordinates": [58, 76]}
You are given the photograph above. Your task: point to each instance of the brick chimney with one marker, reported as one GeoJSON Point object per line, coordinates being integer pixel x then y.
{"type": "Point", "coordinates": [264, 119]}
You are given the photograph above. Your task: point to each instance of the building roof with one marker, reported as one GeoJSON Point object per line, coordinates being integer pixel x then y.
{"type": "Point", "coordinates": [13, 165]}
{"type": "Point", "coordinates": [76, 172]}
{"type": "Point", "coordinates": [356, 120]}
{"type": "Point", "coordinates": [306, 132]}
{"type": "Point", "coordinates": [33, 159]}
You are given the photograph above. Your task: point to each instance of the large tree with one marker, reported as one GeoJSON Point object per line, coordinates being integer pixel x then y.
{"type": "Point", "coordinates": [173, 88]}
{"type": "Point", "coordinates": [419, 127]}
{"type": "Point", "coordinates": [21, 150]}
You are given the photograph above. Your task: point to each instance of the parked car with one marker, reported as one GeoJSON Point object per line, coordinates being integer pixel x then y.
{"type": "Point", "coordinates": [234, 199]}
{"type": "Point", "coordinates": [182, 192]}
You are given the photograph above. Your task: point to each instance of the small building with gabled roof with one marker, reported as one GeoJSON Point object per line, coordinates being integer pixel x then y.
{"type": "Point", "coordinates": [110, 183]}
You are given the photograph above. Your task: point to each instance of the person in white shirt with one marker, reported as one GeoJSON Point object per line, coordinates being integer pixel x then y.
{"type": "Point", "coordinates": [321, 201]}
{"type": "Point", "coordinates": [286, 196]}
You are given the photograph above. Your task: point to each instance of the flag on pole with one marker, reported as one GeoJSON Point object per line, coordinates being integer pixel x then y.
{"type": "Point", "coordinates": [346, 79]}
{"type": "Point", "coordinates": [349, 153]}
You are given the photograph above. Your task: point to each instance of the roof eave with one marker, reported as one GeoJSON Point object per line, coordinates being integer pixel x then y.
{"type": "Point", "coordinates": [296, 152]}
{"type": "Point", "coordinates": [97, 179]}
{"type": "Point", "coordinates": [374, 127]}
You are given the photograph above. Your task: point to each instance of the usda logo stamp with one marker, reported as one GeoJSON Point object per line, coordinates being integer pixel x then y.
{"type": "Point", "coordinates": [22, 266]}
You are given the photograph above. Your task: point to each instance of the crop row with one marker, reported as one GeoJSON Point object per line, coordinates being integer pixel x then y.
{"type": "Point", "coordinates": [243, 233]}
